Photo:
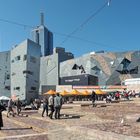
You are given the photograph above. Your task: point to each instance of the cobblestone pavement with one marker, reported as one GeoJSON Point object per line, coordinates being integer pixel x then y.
{"type": "Point", "coordinates": [77, 123]}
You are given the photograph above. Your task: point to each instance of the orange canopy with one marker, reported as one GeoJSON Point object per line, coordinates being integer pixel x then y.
{"type": "Point", "coordinates": [50, 92]}
{"type": "Point", "coordinates": [99, 91]}
{"type": "Point", "coordinates": [75, 92]}
{"type": "Point", "coordinates": [64, 93]}
{"type": "Point", "coordinates": [85, 92]}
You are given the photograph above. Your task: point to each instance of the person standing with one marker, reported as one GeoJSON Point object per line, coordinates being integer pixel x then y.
{"type": "Point", "coordinates": [10, 108]}
{"type": "Point", "coordinates": [51, 105]}
{"type": "Point", "coordinates": [45, 107]}
{"type": "Point", "coordinates": [2, 108]}
{"type": "Point", "coordinates": [18, 104]}
{"type": "Point", "coordinates": [57, 105]}
{"type": "Point", "coordinates": [93, 98]}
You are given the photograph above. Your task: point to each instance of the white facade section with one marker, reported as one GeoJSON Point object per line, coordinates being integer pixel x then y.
{"type": "Point", "coordinates": [132, 81]}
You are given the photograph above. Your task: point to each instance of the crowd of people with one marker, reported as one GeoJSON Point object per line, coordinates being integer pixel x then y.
{"type": "Point", "coordinates": [51, 105]}
{"type": "Point", "coordinates": [54, 102]}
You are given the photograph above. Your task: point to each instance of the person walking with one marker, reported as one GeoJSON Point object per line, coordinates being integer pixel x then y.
{"type": "Point", "coordinates": [93, 98]}
{"type": "Point", "coordinates": [45, 107]}
{"type": "Point", "coordinates": [10, 108]}
{"type": "Point", "coordinates": [18, 104]}
{"type": "Point", "coordinates": [57, 105]}
{"type": "Point", "coordinates": [51, 105]}
{"type": "Point", "coordinates": [2, 108]}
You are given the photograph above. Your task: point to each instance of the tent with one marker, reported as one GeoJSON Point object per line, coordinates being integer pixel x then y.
{"type": "Point", "coordinates": [99, 91]}
{"type": "Point", "coordinates": [85, 92]}
{"type": "Point", "coordinates": [4, 98]}
{"type": "Point", "coordinates": [64, 93]}
{"type": "Point", "coordinates": [75, 92]}
{"type": "Point", "coordinates": [50, 92]}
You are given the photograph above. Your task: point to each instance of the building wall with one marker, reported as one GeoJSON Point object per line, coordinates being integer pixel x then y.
{"type": "Point", "coordinates": [111, 68]}
{"type": "Point", "coordinates": [49, 67]}
{"type": "Point", "coordinates": [42, 36]}
{"type": "Point", "coordinates": [5, 74]}
{"type": "Point", "coordinates": [25, 63]}
{"type": "Point", "coordinates": [49, 70]}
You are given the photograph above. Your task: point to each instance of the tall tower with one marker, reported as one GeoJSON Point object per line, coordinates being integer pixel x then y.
{"type": "Point", "coordinates": [42, 36]}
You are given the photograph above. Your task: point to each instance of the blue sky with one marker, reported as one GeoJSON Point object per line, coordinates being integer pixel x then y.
{"type": "Point", "coordinates": [115, 28]}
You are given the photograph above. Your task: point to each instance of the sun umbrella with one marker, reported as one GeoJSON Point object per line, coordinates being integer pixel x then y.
{"type": "Point", "coordinates": [99, 91]}
{"type": "Point", "coordinates": [75, 92]}
{"type": "Point", "coordinates": [85, 92]}
{"type": "Point", "coordinates": [64, 93]}
{"type": "Point", "coordinates": [50, 92]}
{"type": "Point", "coordinates": [4, 98]}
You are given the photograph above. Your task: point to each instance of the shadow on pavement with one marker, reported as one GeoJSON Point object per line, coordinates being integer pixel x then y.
{"type": "Point", "coordinates": [70, 116]}
{"type": "Point", "coordinates": [17, 128]}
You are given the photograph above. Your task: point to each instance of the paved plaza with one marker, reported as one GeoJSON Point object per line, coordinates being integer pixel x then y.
{"type": "Point", "coordinates": [79, 121]}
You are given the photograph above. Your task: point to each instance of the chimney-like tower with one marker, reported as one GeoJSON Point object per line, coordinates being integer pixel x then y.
{"type": "Point", "coordinates": [42, 18]}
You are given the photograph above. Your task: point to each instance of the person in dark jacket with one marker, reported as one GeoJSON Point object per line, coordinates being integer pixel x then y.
{"type": "Point", "coordinates": [93, 98]}
{"type": "Point", "coordinates": [45, 107]}
{"type": "Point", "coordinates": [2, 108]}
{"type": "Point", "coordinates": [18, 104]}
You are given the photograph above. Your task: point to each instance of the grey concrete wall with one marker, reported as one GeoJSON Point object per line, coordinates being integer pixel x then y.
{"type": "Point", "coordinates": [25, 71]}
{"type": "Point", "coordinates": [49, 70]}
{"type": "Point", "coordinates": [5, 74]}
{"type": "Point", "coordinates": [50, 66]}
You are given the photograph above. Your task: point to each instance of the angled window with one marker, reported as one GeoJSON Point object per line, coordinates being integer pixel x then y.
{"type": "Point", "coordinates": [125, 63]}
{"type": "Point", "coordinates": [97, 70]}
{"type": "Point", "coordinates": [124, 70]}
{"type": "Point", "coordinates": [75, 67]}
{"type": "Point", "coordinates": [82, 69]}
{"type": "Point", "coordinates": [134, 71]}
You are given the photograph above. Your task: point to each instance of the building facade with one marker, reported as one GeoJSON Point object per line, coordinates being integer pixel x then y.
{"type": "Point", "coordinates": [110, 68]}
{"type": "Point", "coordinates": [50, 66]}
{"type": "Point", "coordinates": [25, 67]}
{"type": "Point", "coordinates": [5, 80]}
{"type": "Point", "coordinates": [42, 36]}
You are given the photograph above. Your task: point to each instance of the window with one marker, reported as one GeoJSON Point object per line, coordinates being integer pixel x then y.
{"type": "Point", "coordinates": [17, 58]}
{"type": "Point", "coordinates": [7, 87]}
{"type": "Point", "coordinates": [134, 71]}
{"type": "Point", "coordinates": [25, 57]}
{"type": "Point", "coordinates": [13, 74]}
{"type": "Point", "coordinates": [12, 61]}
{"type": "Point", "coordinates": [75, 67]}
{"type": "Point", "coordinates": [32, 59]}
{"type": "Point", "coordinates": [16, 88]}
{"type": "Point", "coordinates": [97, 70]}
{"type": "Point", "coordinates": [125, 63]}
{"type": "Point", "coordinates": [33, 88]}
{"type": "Point", "coordinates": [28, 72]}
{"type": "Point", "coordinates": [8, 76]}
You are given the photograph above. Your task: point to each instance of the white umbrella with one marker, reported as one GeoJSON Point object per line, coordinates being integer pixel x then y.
{"type": "Point", "coordinates": [4, 98]}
